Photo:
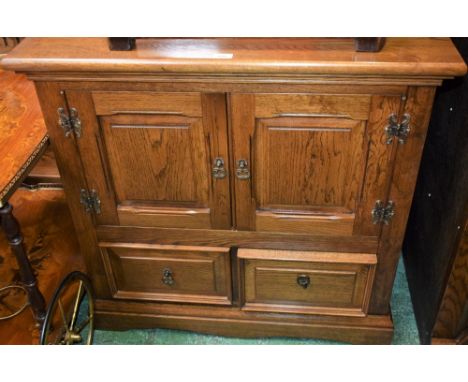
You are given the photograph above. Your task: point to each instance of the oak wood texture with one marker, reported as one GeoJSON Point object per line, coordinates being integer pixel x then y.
{"type": "Point", "coordinates": [234, 322]}
{"type": "Point", "coordinates": [70, 166]}
{"type": "Point", "coordinates": [308, 117]}
{"type": "Point", "coordinates": [400, 57]}
{"type": "Point", "coordinates": [315, 161]}
{"type": "Point", "coordinates": [155, 153]}
{"type": "Point", "coordinates": [435, 246]}
{"type": "Point", "coordinates": [404, 175]}
{"type": "Point", "coordinates": [202, 237]}
{"type": "Point", "coordinates": [195, 274]}
{"type": "Point", "coordinates": [337, 283]}
{"type": "Point", "coordinates": [23, 135]}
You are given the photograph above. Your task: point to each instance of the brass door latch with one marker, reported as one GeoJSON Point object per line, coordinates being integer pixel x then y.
{"type": "Point", "coordinates": [242, 170]}
{"type": "Point", "coordinates": [219, 171]}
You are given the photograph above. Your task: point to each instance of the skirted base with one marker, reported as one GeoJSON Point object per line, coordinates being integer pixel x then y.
{"type": "Point", "coordinates": [233, 322]}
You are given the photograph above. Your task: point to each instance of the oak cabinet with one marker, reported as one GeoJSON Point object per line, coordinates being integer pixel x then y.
{"type": "Point", "coordinates": [258, 189]}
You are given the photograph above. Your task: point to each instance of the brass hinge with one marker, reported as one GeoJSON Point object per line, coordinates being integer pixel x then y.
{"type": "Point", "coordinates": [397, 129]}
{"type": "Point", "coordinates": [90, 200]}
{"type": "Point", "coordinates": [69, 123]}
{"type": "Point", "coordinates": [381, 213]}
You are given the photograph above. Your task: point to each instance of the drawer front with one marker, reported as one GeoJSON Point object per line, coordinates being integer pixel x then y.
{"type": "Point", "coordinates": [307, 282]}
{"type": "Point", "coordinates": [168, 273]}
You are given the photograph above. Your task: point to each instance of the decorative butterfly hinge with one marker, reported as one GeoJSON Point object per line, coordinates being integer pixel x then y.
{"type": "Point", "coordinates": [381, 213]}
{"type": "Point", "coordinates": [69, 123]}
{"type": "Point", "coordinates": [397, 129]}
{"type": "Point", "coordinates": [90, 200]}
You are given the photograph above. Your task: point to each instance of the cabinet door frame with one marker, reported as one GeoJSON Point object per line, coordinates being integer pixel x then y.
{"type": "Point", "coordinates": [209, 110]}
{"type": "Point", "coordinates": [378, 161]}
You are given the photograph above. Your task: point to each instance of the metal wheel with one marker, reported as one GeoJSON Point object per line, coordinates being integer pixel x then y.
{"type": "Point", "coordinates": [70, 315]}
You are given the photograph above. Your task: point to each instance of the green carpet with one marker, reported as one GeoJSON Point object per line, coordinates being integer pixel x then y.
{"type": "Point", "coordinates": [406, 331]}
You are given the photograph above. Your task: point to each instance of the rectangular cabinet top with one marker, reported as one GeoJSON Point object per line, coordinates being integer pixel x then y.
{"type": "Point", "coordinates": [425, 57]}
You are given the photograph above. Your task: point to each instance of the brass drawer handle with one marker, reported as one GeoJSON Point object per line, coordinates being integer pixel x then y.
{"type": "Point", "coordinates": [219, 172]}
{"type": "Point", "coordinates": [242, 170]}
{"type": "Point", "coordinates": [303, 281]}
{"type": "Point", "coordinates": [168, 279]}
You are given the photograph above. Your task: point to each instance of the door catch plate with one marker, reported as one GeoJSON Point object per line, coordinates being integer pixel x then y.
{"type": "Point", "coordinates": [219, 171]}
{"type": "Point", "coordinates": [242, 170]}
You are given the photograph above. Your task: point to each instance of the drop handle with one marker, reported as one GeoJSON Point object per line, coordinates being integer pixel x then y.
{"type": "Point", "coordinates": [168, 278]}
{"type": "Point", "coordinates": [303, 281]}
{"type": "Point", "coordinates": [218, 171]}
{"type": "Point", "coordinates": [242, 170]}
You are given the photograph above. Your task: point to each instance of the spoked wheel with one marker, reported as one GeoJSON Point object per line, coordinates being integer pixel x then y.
{"type": "Point", "coordinates": [70, 315]}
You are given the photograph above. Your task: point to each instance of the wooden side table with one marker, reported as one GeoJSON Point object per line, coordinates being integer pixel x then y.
{"type": "Point", "coordinates": [23, 140]}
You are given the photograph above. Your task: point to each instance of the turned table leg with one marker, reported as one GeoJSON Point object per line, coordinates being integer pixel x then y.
{"type": "Point", "coordinates": [12, 230]}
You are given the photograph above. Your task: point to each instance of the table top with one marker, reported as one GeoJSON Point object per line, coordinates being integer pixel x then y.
{"type": "Point", "coordinates": [23, 135]}
{"type": "Point", "coordinates": [307, 56]}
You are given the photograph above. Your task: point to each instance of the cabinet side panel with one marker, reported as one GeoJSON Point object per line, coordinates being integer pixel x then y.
{"type": "Point", "coordinates": [92, 155]}
{"type": "Point", "coordinates": [378, 163]}
{"type": "Point", "coordinates": [408, 156]}
{"type": "Point", "coordinates": [71, 172]}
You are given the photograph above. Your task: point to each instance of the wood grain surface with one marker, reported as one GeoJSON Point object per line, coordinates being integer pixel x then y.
{"type": "Point", "coordinates": [23, 134]}
{"type": "Point", "coordinates": [309, 117]}
{"type": "Point", "coordinates": [400, 56]}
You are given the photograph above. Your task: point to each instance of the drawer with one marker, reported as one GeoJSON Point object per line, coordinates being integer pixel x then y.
{"type": "Point", "coordinates": [168, 273]}
{"type": "Point", "coordinates": [307, 282]}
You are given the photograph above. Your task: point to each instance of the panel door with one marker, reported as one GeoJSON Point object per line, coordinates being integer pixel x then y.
{"type": "Point", "coordinates": [149, 156]}
{"type": "Point", "coordinates": [310, 164]}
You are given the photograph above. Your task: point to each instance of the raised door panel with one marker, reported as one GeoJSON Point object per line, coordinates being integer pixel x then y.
{"type": "Point", "coordinates": [313, 161]}
{"type": "Point", "coordinates": [149, 156]}
{"type": "Point", "coordinates": [158, 167]}
{"type": "Point", "coordinates": [304, 167]}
